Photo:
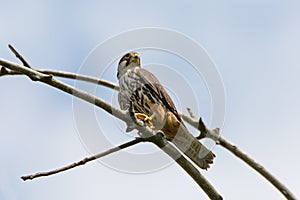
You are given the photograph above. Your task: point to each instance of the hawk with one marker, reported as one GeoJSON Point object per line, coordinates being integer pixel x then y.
{"type": "Point", "coordinates": [145, 98]}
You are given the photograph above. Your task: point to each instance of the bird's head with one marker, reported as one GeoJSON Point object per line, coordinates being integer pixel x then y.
{"type": "Point", "coordinates": [128, 61]}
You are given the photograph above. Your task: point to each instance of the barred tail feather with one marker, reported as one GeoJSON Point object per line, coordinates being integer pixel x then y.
{"type": "Point", "coordinates": [192, 148]}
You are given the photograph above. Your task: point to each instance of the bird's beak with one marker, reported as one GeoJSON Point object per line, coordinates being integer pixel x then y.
{"type": "Point", "coordinates": [134, 59]}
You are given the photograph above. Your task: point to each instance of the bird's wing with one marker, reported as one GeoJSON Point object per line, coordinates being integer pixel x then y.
{"type": "Point", "coordinates": [123, 101]}
{"type": "Point", "coordinates": [183, 139]}
{"type": "Point", "coordinates": [155, 86]}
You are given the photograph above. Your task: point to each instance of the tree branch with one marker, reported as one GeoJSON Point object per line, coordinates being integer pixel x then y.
{"type": "Point", "coordinates": [146, 131]}
{"type": "Point", "coordinates": [18, 56]}
{"type": "Point", "coordinates": [191, 113]}
{"type": "Point", "coordinates": [163, 144]}
{"type": "Point", "coordinates": [4, 71]}
{"type": "Point", "coordinates": [83, 161]}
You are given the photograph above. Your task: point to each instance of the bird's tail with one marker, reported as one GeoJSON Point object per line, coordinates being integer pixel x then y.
{"type": "Point", "coordinates": [192, 148]}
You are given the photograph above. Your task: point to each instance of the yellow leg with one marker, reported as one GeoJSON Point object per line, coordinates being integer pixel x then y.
{"type": "Point", "coordinates": [145, 118]}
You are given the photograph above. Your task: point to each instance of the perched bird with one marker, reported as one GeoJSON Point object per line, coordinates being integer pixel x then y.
{"type": "Point", "coordinates": [146, 100]}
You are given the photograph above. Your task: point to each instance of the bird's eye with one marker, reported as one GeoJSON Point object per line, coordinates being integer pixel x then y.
{"type": "Point", "coordinates": [136, 57]}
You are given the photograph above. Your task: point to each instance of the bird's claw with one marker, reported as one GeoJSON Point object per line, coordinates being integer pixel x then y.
{"type": "Point", "coordinates": [145, 118]}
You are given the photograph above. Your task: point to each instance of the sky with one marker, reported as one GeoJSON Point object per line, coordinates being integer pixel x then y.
{"type": "Point", "coordinates": [252, 44]}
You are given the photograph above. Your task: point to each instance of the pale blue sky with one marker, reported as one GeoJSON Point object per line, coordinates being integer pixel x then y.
{"type": "Point", "coordinates": [254, 44]}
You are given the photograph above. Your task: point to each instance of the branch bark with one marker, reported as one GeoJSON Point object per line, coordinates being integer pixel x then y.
{"type": "Point", "coordinates": [4, 71]}
{"type": "Point", "coordinates": [146, 131]}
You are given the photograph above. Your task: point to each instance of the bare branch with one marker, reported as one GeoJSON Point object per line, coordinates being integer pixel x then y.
{"type": "Point", "coordinates": [62, 74]}
{"type": "Point", "coordinates": [256, 166]}
{"type": "Point", "coordinates": [81, 78]}
{"type": "Point", "coordinates": [191, 113]}
{"type": "Point", "coordinates": [18, 56]}
{"type": "Point", "coordinates": [83, 161]}
{"type": "Point", "coordinates": [163, 144]}
{"type": "Point", "coordinates": [214, 134]}
{"type": "Point", "coordinates": [146, 131]}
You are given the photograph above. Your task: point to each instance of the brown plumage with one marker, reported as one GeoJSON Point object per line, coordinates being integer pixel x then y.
{"type": "Point", "coordinates": [142, 92]}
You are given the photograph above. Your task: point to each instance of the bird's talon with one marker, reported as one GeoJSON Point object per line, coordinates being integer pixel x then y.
{"type": "Point", "coordinates": [145, 118]}
{"type": "Point", "coordinates": [140, 116]}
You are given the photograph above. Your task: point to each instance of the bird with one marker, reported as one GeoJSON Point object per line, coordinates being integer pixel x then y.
{"type": "Point", "coordinates": [141, 93]}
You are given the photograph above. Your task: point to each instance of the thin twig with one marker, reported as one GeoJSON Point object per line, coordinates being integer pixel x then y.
{"type": "Point", "coordinates": [191, 113]}
{"type": "Point", "coordinates": [18, 56]}
{"type": "Point", "coordinates": [62, 74]}
{"type": "Point", "coordinates": [185, 164]}
{"type": "Point", "coordinates": [81, 78]}
{"type": "Point", "coordinates": [256, 166]}
{"type": "Point", "coordinates": [83, 161]}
